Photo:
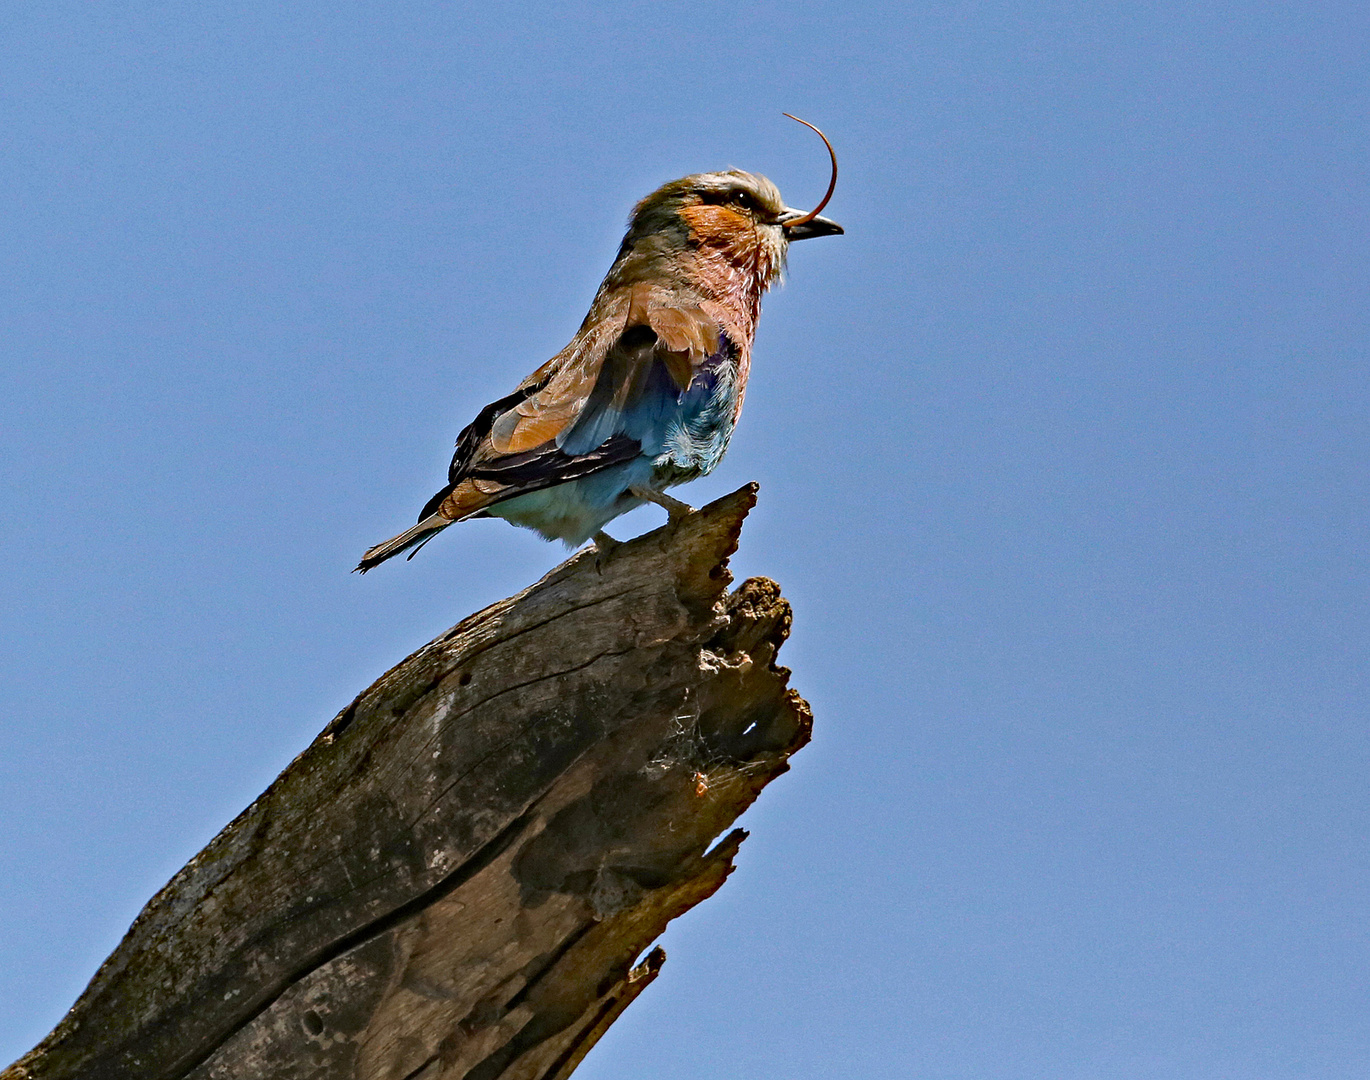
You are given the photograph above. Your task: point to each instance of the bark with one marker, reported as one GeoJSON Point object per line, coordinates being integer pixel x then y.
{"type": "Point", "coordinates": [458, 877]}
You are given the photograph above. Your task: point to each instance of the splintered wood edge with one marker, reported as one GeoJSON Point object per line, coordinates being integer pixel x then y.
{"type": "Point", "coordinates": [701, 543]}
{"type": "Point", "coordinates": [714, 868]}
{"type": "Point", "coordinates": [624, 995]}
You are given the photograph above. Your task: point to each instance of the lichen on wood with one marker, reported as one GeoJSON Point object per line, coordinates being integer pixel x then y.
{"type": "Point", "coordinates": [459, 877]}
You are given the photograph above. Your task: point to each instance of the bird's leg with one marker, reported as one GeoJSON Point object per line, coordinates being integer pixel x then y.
{"type": "Point", "coordinates": [675, 509]}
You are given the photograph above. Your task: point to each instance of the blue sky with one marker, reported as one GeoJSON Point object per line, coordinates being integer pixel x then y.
{"type": "Point", "coordinates": [1062, 452]}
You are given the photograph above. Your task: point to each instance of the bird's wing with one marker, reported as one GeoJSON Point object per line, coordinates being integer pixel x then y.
{"type": "Point", "coordinates": [582, 403]}
{"type": "Point", "coordinates": [480, 476]}
{"type": "Point", "coordinates": [587, 409]}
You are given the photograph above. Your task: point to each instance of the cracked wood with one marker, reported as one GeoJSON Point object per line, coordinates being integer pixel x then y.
{"type": "Point", "coordinates": [458, 877]}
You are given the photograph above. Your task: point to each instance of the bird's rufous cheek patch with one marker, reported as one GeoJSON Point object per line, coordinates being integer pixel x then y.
{"type": "Point", "coordinates": [722, 225]}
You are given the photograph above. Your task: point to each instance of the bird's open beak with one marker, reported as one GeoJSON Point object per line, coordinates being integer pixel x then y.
{"type": "Point", "coordinates": [819, 226]}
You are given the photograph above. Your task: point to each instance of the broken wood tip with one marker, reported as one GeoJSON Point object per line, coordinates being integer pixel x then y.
{"type": "Point", "coordinates": [458, 877]}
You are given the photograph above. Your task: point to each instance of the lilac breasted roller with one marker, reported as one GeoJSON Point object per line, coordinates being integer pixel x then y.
{"type": "Point", "coordinates": [648, 391]}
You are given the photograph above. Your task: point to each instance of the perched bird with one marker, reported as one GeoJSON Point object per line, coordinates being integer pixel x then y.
{"type": "Point", "coordinates": [646, 394]}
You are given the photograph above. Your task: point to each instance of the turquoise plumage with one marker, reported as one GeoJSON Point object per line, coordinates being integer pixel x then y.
{"type": "Point", "coordinates": [683, 435]}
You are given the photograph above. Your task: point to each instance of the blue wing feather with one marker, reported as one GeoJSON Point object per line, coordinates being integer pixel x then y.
{"type": "Point", "coordinates": [682, 434]}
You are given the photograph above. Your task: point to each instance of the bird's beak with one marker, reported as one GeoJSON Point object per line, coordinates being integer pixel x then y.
{"type": "Point", "coordinates": [819, 226]}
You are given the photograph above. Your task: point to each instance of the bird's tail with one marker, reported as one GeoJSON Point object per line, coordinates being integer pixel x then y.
{"type": "Point", "coordinates": [420, 534]}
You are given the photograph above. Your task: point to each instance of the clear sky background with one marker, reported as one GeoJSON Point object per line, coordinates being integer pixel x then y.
{"type": "Point", "coordinates": [1063, 463]}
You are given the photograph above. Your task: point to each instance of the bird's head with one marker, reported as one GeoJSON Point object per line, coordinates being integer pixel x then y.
{"type": "Point", "coordinates": [736, 215]}
{"type": "Point", "coordinates": [732, 222]}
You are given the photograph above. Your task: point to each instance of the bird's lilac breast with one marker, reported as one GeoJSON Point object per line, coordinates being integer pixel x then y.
{"type": "Point", "coordinates": [697, 434]}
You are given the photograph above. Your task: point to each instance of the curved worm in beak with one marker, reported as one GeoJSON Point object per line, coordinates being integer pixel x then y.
{"type": "Point", "coordinates": [832, 184]}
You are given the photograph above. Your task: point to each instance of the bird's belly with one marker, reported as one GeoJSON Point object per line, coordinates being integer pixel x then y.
{"type": "Point", "coordinates": [576, 510]}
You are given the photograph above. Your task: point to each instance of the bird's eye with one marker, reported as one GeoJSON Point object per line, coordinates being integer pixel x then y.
{"type": "Point", "coordinates": [745, 202]}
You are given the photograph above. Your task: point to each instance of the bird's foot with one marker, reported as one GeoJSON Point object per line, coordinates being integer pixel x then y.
{"type": "Point", "coordinates": [675, 509]}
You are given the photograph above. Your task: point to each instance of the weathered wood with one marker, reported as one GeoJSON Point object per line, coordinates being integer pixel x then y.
{"type": "Point", "coordinates": [456, 878]}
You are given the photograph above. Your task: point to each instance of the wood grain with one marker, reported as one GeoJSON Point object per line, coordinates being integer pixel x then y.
{"type": "Point", "coordinates": [458, 877]}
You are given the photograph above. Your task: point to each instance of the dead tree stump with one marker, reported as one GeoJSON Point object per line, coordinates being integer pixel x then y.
{"type": "Point", "coordinates": [458, 876]}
